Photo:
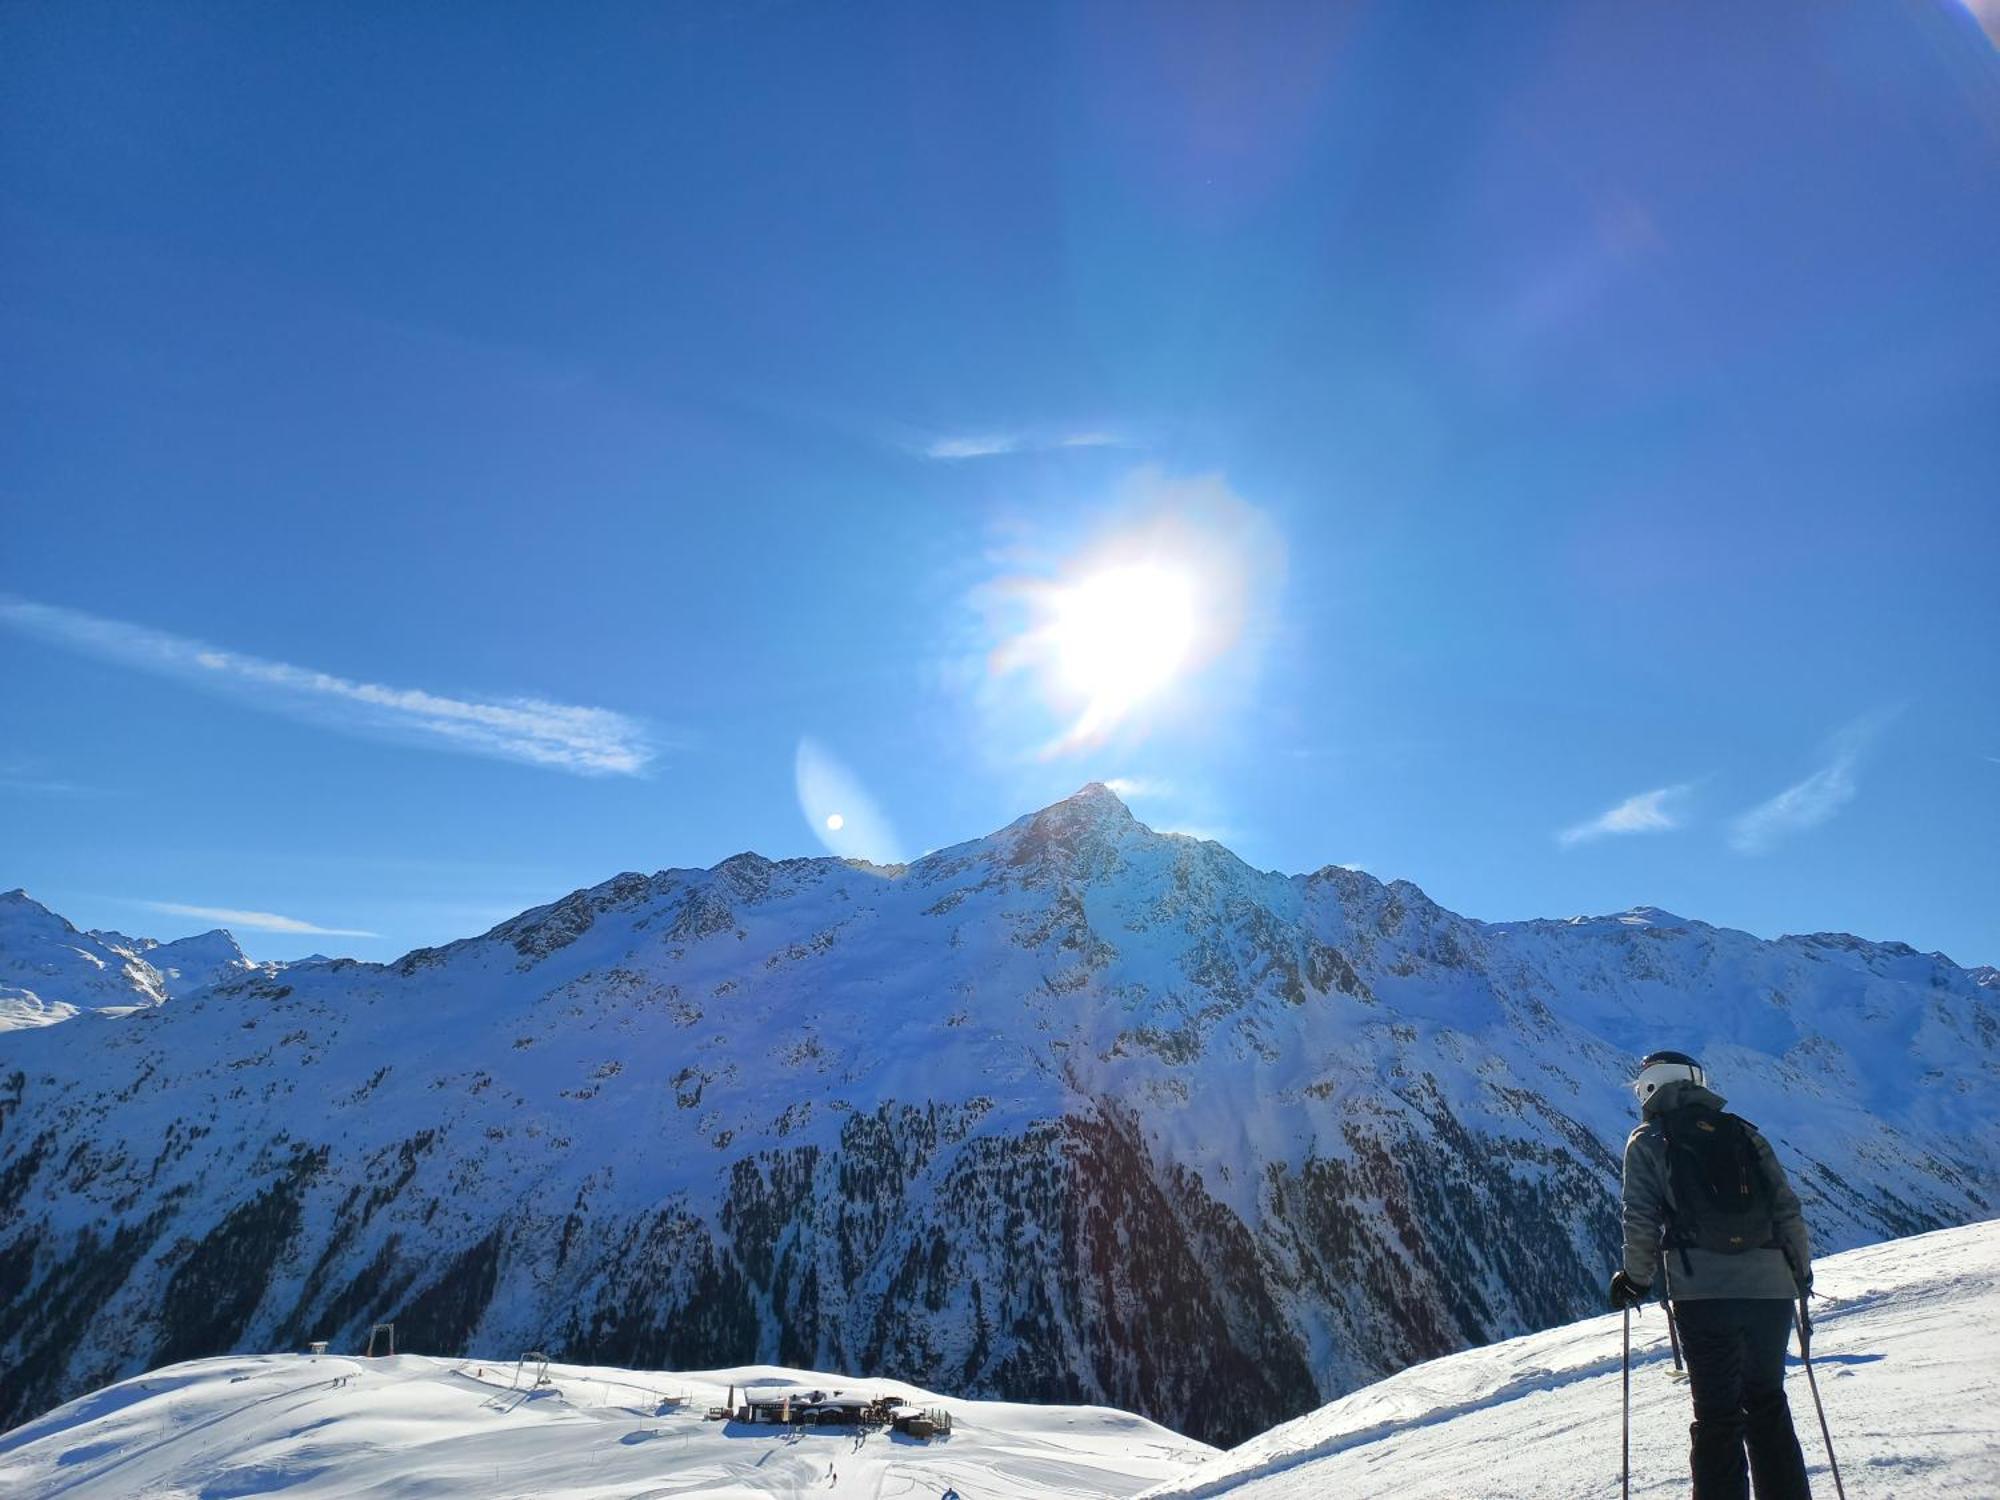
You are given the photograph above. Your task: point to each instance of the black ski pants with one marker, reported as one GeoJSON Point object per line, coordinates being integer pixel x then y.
{"type": "Point", "coordinates": [1735, 1349]}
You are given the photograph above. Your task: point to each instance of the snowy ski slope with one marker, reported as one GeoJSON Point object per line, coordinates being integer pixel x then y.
{"type": "Point", "coordinates": [1906, 1348]}
{"type": "Point", "coordinates": [1905, 1354]}
{"type": "Point", "coordinates": [397, 1429]}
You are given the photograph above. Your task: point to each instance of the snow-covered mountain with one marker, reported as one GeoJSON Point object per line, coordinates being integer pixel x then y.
{"type": "Point", "coordinates": [1902, 1355]}
{"type": "Point", "coordinates": [1075, 1112]}
{"type": "Point", "coordinates": [49, 971]}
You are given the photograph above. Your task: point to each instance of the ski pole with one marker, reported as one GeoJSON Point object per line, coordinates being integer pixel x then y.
{"type": "Point", "coordinates": [1625, 1483]}
{"type": "Point", "coordinates": [1805, 1358]}
{"type": "Point", "coordinates": [1673, 1334]}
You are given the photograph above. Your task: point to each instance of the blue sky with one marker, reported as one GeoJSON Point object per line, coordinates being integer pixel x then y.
{"type": "Point", "coordinates": [450, 455]}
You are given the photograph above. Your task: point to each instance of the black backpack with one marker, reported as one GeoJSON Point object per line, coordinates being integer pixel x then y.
{"type": "Point", "coordinates": [1722, 1201]}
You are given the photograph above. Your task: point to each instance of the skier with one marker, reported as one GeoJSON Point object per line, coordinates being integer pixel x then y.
{"type": "Point", "coordinates": [1707, 1204]}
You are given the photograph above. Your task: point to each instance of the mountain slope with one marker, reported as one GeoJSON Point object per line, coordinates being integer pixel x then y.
{"type": "Point", "coordinates": [1075, 1112]}
{"type": "Point", "coordinates": [411, 1426]}
{"type": "Point", "coordinates": [1902, 1355]}
{"type": "Point", "coordinates": [1902, 1351]}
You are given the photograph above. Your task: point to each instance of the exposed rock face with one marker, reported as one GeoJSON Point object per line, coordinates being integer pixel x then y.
{"type": "Point", "coordinates": [1078, 1111]}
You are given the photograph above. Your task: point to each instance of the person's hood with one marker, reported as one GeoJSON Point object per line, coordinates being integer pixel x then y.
{"type": "Point", "coordinates": [1669, 1096]}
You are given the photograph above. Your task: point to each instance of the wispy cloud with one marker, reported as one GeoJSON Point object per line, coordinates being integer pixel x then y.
{"type": "Point", "coordinates": [32, 778]}
{"type": "Point", "coordinates": [1645, 812]}
{"type": "Point", "coordinates": [970, 447]}
{"type": "Point", "coordinates": [1809, 803]}
{"type": "Point", "coordinates": [992, 444]}
{"type": "Point", "coordinates": [48, 786]}
{"type": "Point", "coordinates": [561, 736]}
{"type": "Point", "coordinates": [257, 921]}
{"type": "Point", "coordinates": [1138, 788]}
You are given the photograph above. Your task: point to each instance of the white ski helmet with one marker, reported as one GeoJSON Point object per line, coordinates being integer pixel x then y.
{"type": "Point", "coordinates": [1659, 1068]}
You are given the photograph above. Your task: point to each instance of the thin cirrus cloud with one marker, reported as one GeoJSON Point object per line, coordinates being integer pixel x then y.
{"type": "Point", "coordinates": [1138, 788]}
{"type": "Point", "coordinates": [1807, 804]}
{"type": "Point", "coordinates": [21, 776]}
{"type": "Point", "coordinates": [1656, 811]}
{"type": "Point", "coordinates": [992, 445]}
{"type": "Point", "coordinates": [257, 921]}
{"type": "Point", "coordinates": [533, 731]}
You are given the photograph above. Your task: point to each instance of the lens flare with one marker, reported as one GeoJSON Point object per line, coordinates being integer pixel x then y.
{"type": "Point", "coordinates": [837, 807]}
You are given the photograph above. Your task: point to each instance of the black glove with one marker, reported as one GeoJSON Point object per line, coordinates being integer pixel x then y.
{"type": "Point", "coordinates": [1625, 1292]}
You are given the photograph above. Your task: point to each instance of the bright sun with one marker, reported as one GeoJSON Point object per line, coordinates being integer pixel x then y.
{"type": "Point", "coordinates": [1120, 635]}
{"type": "Point", "coordinates": [1134, 629]}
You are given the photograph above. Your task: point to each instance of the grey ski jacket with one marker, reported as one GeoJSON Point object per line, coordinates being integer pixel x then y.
{"type": "Point", "coordinates": [1704, 1273]}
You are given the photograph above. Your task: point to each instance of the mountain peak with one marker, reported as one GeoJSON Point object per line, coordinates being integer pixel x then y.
{"type": "Point", "coordinates": [1081, 833]}
{"type": "Point", "coordinates": [1093, 809]}
{"type": "Point", "coordinates": [21, 907]}
{"type": "Point", "coordinates": [217, 945]}
{"type": "Point", "coordinates": [1097, 800]}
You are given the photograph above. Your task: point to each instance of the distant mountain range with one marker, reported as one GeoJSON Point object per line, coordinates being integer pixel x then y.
{"type": "Point", "coordinates": [49, 971]}
{"type": "Point", "coordinates": [1077, 1111]}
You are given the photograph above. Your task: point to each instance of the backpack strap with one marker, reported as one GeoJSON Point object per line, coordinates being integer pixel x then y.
{"type": "Point", "coordinates": [1674, 1235]}
{"type": "Point", "coordinates": [1750, 1138]}
{"type": "Point", "coordinates": [1673, 1230]}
